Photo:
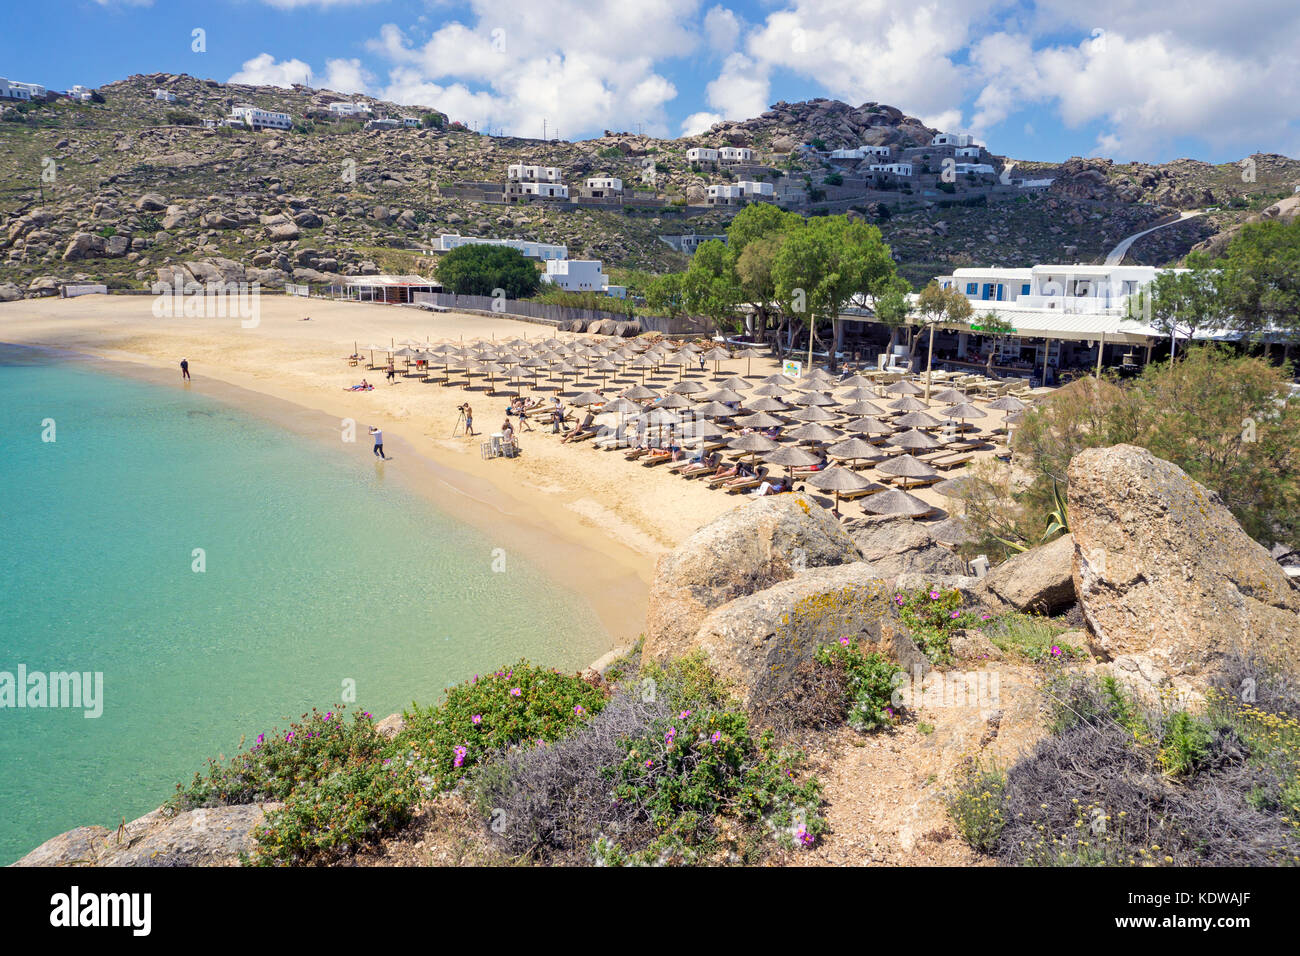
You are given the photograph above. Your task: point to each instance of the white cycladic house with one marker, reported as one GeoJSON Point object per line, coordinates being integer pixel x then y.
{"type": "Point", "coordinates": [611, 183]}
{"type": "Point", "coordinates": [533, 250]}
{"type": "Point", "coordinates": [344, 108]}
{"type": "Point", "coordinates": [896, 169]}
{"type": "Point", "coordinates": [256, 118]}
{"type": "Point", "coordinates": [166, 96]}
{"type": "Point", "coordinates": [702, 154]}
{"type": "Point", "coordinates": [754, 190]}
{"type": "Point", "coordinates": [576, 275]}
{"type": "Point", "coordinates": [14, 90]}
{"type": "Point", "coordinates": [80, 94]}
{"type": "Point", "coordinates": [967, 152]}
{"type": "Point", "coordinates": [520, 172]}
{"type": "Point", "coordinates": [735, 154]}
{"type": "Point", "coordinates": [543, 190]}
{"type": "Point", "coordinates": [952, 139]}
{"type": "Point", "coordinates": [859, 152]}
{"type": "Point", "coordinates": [411, 122]}
{"type": "Point", "coordinates": [975, 169]}
{"type": "Point", "coordinates": [723, 194]}
{"type": "Point", "coordinates": [384, 122]}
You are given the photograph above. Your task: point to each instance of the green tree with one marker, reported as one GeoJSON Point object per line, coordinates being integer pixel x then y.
{"type": "Point", "coordinates": [823, 266]}
{"type": "Point", "coordinates": [480, 270]}
{"type": "Point", "coordinates": [1225, 419]}
{"type": "Point", "coordinates": [891, 305]}
{"type": "Point", "coordinates": [937, 305]}
{"type": "Point", "coordinates": [1259, 278]}
{"type": "Point", "coordinates": [710, 286]}
{"type": "Point", "coordinates": [665, 294]}
{"type": "Point", "coordinates": [1181, 303]}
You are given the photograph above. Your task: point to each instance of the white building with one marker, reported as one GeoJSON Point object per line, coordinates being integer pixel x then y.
{"type": "Point", "coordinates": [256, 118]}
{"type": "Point", "coordinates": [967, 152]}
{"type": "Point", "coordinates": [604, 187]}
{"type": "Point", "coordinates": [533, 250]}
{"type": "Point", "coordinates": [411, 122]}
{"type": "Point", "coordinates": [860, 152]}
{"type": "Point", "coordinates": [702, 154]}
{"type": "Point", "coordinates": [14, 90]}
{"type": "Point", "coordinates": [518, 172]}
{"type": "Point", "coordinates": [576, 275]}
{"type": "Point", "coordinates": [344, 108]}
{"type": "Point", "coordinates": [80, 94]}
{"type": "Point", "coordinates": [383, 123]}
{"type": "Point", "coordinates": [952, 139]}
{"type": "Point", "coordinates": [724, 194]}
{"type": "Point", "coordinates": [166, 96]}
{"type": "Point", "coordinates": [895, 169]}
{"type": "Point", "coordinates": [540, 190]}
{"type": "Point", "coordinates": [735, 154]}
{"type": "Point", "coordinates": [1066, 288]}
{"type": "Point", "coordinates": [754, 190]}
{"type": "Point", "coordinates": [974, 169]}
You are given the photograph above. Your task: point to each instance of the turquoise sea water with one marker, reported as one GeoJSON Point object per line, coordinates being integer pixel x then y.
{"type": "Point", "coordinates": [317, 572]}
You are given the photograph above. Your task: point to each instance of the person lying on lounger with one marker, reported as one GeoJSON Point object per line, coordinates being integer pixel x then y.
{"type": "Point", "coordinates": [363, 387]}
{"type": "Point", "coordinates": [586, 428]}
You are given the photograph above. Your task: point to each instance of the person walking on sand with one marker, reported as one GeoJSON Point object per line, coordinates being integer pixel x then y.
{"type": "Point", "coordinates": [379, 443]}
{"type": "Point", "coordinates": [469, 421]}
{"type": "Point", "coordinates": [185, 370]}
{"type": "Point", "coordinates": [392, 372]}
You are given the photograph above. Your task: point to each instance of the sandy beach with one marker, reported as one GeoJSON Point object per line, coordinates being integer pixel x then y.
{"type": "Point", "coordinates": [595, 521]}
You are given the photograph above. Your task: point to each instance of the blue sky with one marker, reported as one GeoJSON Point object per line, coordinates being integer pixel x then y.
{"type": "Point", "coordinates": [1034, 79]}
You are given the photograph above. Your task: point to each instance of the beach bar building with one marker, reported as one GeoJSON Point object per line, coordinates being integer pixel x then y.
{"type": "Point", "coordinates": [392, 289]}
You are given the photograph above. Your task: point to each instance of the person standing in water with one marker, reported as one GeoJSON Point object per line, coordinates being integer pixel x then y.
{"type": "Point", "coordinates": [379, 442]}
{"type": "Point", "coordinates": [185, 370]}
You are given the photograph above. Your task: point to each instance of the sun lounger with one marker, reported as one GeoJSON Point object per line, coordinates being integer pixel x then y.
{"type": "Point", "coordinates": [656, 457]}
{"type": "Point", "coordinates": [859, 493]}
{"type": "Point", "coordinates": [907, 484]}
{"type": "Point", "coordinates": [952, 461]}
{"type": "Point", "coordinates": [742, 485]}
{"type": "Point", "coordinates": [635, 453]}
{"type": "Point", "coordinates": [720, 480]}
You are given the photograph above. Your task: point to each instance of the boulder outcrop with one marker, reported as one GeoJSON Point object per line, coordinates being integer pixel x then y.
{"type": "Point", "coordinates": [1040, 580]}
{"type": "Point", "coordinates": [1163, 571]}
{"type": "Point", "coordinates": [759, 543]}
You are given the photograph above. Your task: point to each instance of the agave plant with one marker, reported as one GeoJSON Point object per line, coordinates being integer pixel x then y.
{"type": "Point", "coordinates": [1058, 522]}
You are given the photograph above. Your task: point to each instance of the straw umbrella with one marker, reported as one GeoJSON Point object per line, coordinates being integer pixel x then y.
{"type": "Point", "coordinates": [772, 391]}
{"type": "Point", "coordinates": [949, 396]}
{"type": "Point", "coordinates": [714, 410]}
{"type": "Point", "coordinates": [955, 487]}
{"type": "Point", "coordinates": [860, 393]}
{"type": "Point", "coordinates": [836, 479]}
{"type": "Point", "coordinates": [851, 450]}
{"type": "Point", "coordinates": [759, 420]}
{"type": "Point", "coordinates": [917, 420]}
{"type": "Point", "coordinates": [724, 395]}
{"type": "Point", "coordinates": [813, 413]}
{"type": "Point", "coordinates": [895, 502]}
{"type": "Point", "coordinates": [904, 387]}
{"type": "Point", "coordinates": [735, 383]}
{"type": "Point", "coordinates": [715, 355]}
{"type": "Point", "coordinates": [765, 403]}
{"type": "Point", "coordinates": [908, 404]}
{"type": "Point", "coordinates": [869, 426]}
{"type": "Point", "coordinates": [1008, 404]}
{"type": "Point", "coordinates": [813, 398]}
{"type": "Point", "coordinates": [854, 381]}
{"type": "Point", "coordinates": [687, 387]}
{"type": "Point", "coordinates": [791, 456]}
{"type": "Point", "coordinates": [963, 411]}
{"type": "Point", "coordinates": [815, 432]}
{"type": "Point", "coordinates": [749, 355]}
{"type": "Point", "coordinates": [915, 440]}
{"type": "Point", "coordinates": [583, 399]}
{"type": "Point", "coordinates": [639, 393]}
{"type": "Point", "coordinates": [604, 367]}
{"type": "Point", "coordinates": [861, 408]}
{"type": "Point", "coordinates": [754, 444]}
{"type": "Point", "coordinates": [906, 467]}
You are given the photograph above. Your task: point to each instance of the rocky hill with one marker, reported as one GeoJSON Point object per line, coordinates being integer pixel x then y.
{"type": "Point", "coordinates": [116, 190]}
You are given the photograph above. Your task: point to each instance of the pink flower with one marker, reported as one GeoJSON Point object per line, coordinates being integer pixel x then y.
{"type": "Point", "coordinates": [515, 692]}
{"type": "Point", "coordinates": [577, 709]}
{"type": "Point", "coordinates": [844, 642]}
{"type": "Point", "coordinates": [460, 755]}
{"type": "Point", "coordinates": [1056, 651]}
{"type": "Point", "coordinates": [683, 715]}
{"type": "Point", "coordinates": [476, 719]}
{"type": "Point", "coordinates": [955, 614]}
{"type": "Point", "coordinates": [717, 735]}
{"type": "Point", "coordinates": [934, 595]}
{"type": "Point", "coordinates": [985, 617]}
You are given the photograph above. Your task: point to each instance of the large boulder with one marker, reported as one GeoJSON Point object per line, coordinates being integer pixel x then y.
{"type": "Point", "coordinates": [1040, 580]}
{"type": "Point", "coordinates": [10, 292]}
{"type": "Point", "coordinates": [83, 245]}
{"type": "Point", "coordinates": [759, 543]}
{"type": "Point", "coordinates": [895, 546]}
{"type": "Point", "coordinates": [1164, 572]}
{"type": "Point", "coordinates": [757, 641]}
{"type": "Point", "coordinates": [208, 836]}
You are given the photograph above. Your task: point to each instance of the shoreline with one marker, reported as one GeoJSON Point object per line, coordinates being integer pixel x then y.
{"type": "Point", "coordinates": [614, 585]}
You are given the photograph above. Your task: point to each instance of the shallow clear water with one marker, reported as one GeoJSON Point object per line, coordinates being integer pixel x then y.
{"type": "Point", "coordinates": [317, 573]}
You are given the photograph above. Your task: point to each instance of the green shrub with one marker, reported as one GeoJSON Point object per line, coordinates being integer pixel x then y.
{"type": "Point", "coordinates": [1186, 744]}
{"type": "Point", "coordinates": [871, 681]}
{"type": "Point", "coordinates": [479, 270]}
{"type": "Point", "coordinates": [359, 801]}
{"type": "Point", "coordinates": [522, 704]}
{"type": "Point", "coordinates": [932, 615]}
{"type": "Point", "coordinates": [976, 806]}
{"type": "Point", "coordinates": [1031, 636]}
{"type": "Point", "coordinates": [281, 761]}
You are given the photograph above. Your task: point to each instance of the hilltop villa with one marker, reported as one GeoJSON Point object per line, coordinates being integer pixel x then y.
{"type": "Point", "coordinates": [533, 250]}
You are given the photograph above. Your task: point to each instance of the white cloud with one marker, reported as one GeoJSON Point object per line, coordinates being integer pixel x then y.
{"type": "Point", "coordinates": [297, 4]}
{"type": "Point", "coordinates": [346, 76]}
{"type": "Point", "coordinates": [265, 70]}
{"type": "Point", "coordinates": [721, 30]}
{"type": "Point", "coordinates": [741, 89]}
{"type": "Point", "coordinates": [698, 123]}
{"type": "Point", "coordinates": [583, 66]}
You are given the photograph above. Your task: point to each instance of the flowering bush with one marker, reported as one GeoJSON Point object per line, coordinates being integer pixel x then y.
{"type": "Point", "coordinates": [516, 705]}
{"type": "Point", "coordinates": [932, 615]}
{"type": "Point", "coordinates": [871, 681]}
{"type": "Point", "coordinates": [283, 760]}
